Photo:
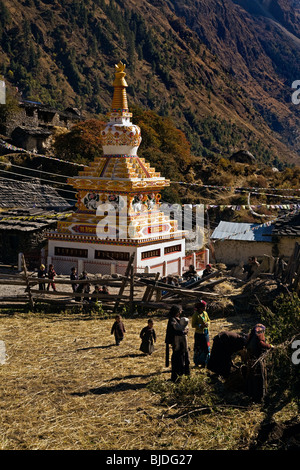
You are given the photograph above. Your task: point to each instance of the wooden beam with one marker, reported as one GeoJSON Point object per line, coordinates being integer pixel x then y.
{"type": "Point", "coordinates": [27, 282]}
{"type": "Point", "coordinates": [150, 289]}
{"type": "Point", "coordinates": [125, 279]}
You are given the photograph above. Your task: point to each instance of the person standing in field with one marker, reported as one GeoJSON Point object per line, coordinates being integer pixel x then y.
{"type": "Point", "coordinates": [200, 321]}
{"type": "Point", "coordinates": [118, 330]}
{"type": "Point", "coordinates": [176, 337]}
{"type": "Point", "coordinates": [148, 337]}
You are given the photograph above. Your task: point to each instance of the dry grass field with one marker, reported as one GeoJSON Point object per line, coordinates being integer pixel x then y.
{"type": "Point", "coordinates": [66, 386]}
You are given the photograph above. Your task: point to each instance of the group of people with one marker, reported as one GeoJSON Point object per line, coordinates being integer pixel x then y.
{"type": "Point", "coordinates": [147, 334]}
{"type": "Point", "coordinates": [80, 288]}
{"type": "Point", "coordinates": [176, 337]}
{"type": "Point", "coordinates": [218, 358]}
{"type": "Point", "coordinates": [44, 274]}
{"type": "Point", "coordinates": [85, 287]}
{"type": "Point", "coordinates": [188, 277]}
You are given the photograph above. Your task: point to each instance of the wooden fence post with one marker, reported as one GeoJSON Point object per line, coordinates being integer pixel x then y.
{"type": "Point", "coordinates": [27, 282]}
{"type": "Point", "coordinates": [149, 289]}
{"type": "Point", "coordinates": [125, 280]}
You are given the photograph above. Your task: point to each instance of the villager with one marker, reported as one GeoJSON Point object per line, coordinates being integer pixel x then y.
{"type": "Point", "coordinates": [105, 290]}
{"type": "Point", "coordinates": [201, 321]}
{"type": "Point", "coordinates": [148, 337]}
{"type": "Point", "coordinates": [176, 337]}
{"type": "Point", "coordinates": [97, 290]}
{"type": "Point", "coordinates": [208, 270]}
{"type": "Point", "coordinates": [51, 276]}
{"type": "Point", "coordinates": [83, 288]}
{"type": "Point", "coordinates": [74, 277]}
{"type": "Point", "coordinates": [251, 267]}
{"type": "Point", "coordinates": [172, 280]}
{"type": "Point", "coordinates": [256, 374]}
{"type": "Point", "coordinates": [190, 273]}
{"type": "Point", "coordinates": [225, 344]}
{"type": "Point", "coordinates": [118, 329]}
{"type": "Point", "coordinates": [42, 273]}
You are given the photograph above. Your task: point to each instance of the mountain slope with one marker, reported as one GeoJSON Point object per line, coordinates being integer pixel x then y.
{"type": "Point", "coordinates": [262, 53]}
{"type": "Point", "coordinates": [222, 71]}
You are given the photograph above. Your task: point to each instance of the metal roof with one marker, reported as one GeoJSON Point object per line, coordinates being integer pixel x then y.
{"type": "Point", "coordinates": [243, 231]}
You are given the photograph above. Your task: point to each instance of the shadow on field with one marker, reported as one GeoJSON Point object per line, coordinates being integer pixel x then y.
{"type": "Point", "coordinates": [95, 347]}
{"type": "Point", "coordinates": [123, 387]}
{"type": "Point", "coordinates": [120, 387]}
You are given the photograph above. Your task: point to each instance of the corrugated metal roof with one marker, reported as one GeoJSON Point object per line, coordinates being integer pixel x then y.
{"type": "Point", "coordinates": [243, 231]}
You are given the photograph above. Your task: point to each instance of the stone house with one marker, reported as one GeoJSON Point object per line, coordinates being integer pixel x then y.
{"type": "Point", "coordinates": [233, 243]}
{"type": "Point", "coordinates": [34, 123]}
{"type": "Point", "coordinates": [285, 234]}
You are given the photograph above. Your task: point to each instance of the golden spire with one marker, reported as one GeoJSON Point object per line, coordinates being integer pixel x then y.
{"type": "Point", "coordinates": [119, 101]}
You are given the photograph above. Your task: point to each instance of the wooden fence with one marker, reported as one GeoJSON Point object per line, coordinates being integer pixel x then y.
{"type": "Point", "coordinates": [148, 290]}
{"type": "Point", "coordinates": [152, 291]}
{"type": "Point", "coordinates": [33, 294]}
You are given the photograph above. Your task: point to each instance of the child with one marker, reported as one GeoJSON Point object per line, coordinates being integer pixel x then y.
{"type": "Point", "coordinates": [96, 291]}
{"type": "Point", "coordinates": [105, 290]}
{"type": "Point", "coordinates": [148, 337]}
{"type": "Point", "coordinates": [42, 273]}
{"type": "Point", "coordinates": [118, 329]}
{"type": "Point", "coordinates": [51, 276]}
{"type": "Point", "coordinates": [74, 277]}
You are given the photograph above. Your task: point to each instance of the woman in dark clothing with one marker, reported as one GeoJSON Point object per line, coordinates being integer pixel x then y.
{"type": "Point", "coordinates": [176, 337]}
{"type": "Point", "coordinates": [225, 344]}
{"type": "Point", "coordinates": [148, 337]}
{"type": "Point", "coordinates": [256, 374]}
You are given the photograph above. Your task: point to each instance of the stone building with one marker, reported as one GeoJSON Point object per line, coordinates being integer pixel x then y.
{"type": "Point", "coordinates": [34, 123]}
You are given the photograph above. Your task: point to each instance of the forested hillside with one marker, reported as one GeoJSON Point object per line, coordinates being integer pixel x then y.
{"type": "Point", "coordinates": [211, 67]}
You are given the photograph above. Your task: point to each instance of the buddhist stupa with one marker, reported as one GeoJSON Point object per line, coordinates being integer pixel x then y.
{"type": "Point", "coordinates": [118, 206]}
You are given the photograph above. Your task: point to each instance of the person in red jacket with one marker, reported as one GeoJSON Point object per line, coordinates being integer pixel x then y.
{"type": "Point", "coordinates": [51, 276]}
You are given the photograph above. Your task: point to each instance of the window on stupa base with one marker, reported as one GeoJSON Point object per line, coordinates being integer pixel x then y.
{"type": "Point", "coordinates": [172, 249]}
{"type": "Point", "coordinates": [112, 255]}
{"type": "Point", "coordinates": [150, 254]}
{"type": "Point", "coordinates": [72, 252]}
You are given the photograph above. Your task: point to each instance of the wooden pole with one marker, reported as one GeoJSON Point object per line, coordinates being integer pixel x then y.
{"type": "Point", "coordinates": [151, 288]}
{"type": "Point", "coordinates": [131, 296]}
{"type": "Point", "coordinates": [27, 282]}
{"type": "Point", "coordinates": [125, 279]}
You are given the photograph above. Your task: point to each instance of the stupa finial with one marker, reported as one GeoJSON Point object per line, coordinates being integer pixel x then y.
{"type": "Point", "coordinates": [120, 98]}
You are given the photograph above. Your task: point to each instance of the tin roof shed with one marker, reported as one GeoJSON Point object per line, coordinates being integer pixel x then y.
{"type": "Point", "coordinates": [242, 231]}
